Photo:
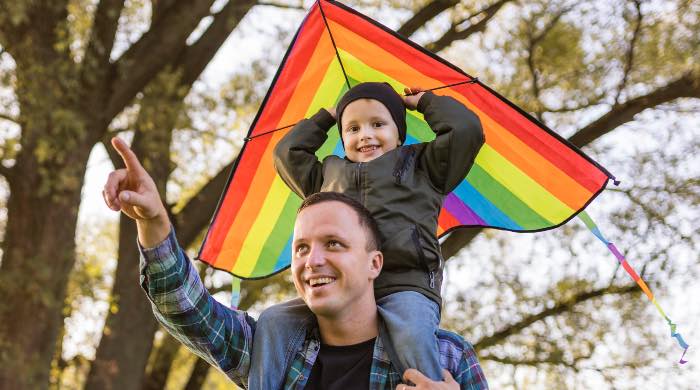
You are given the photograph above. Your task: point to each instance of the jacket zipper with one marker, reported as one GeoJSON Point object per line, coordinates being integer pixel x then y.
{"type": "Point", "coordinates": [401, 166]}
{"type": "Point", "coordinates": [358, 182]}
{"type": "Point", "coordinates": [416, 242]}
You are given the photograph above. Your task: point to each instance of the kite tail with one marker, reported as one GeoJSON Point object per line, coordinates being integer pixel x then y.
{"type": "Point", "coordinates": [235, 292]}
{"type": "Point", "coordinates": [640, 282]}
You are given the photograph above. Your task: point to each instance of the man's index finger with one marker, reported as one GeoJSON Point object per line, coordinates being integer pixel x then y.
{"type": "Point", "coordinates": [130, 160]}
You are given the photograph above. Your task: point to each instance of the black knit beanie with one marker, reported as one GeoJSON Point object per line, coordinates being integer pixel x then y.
{"type": "Point", "coordinates": [382, 92]}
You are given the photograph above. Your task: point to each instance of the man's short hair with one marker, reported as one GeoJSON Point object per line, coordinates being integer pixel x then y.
{"type": "Point", "coordinates": [365, 218]}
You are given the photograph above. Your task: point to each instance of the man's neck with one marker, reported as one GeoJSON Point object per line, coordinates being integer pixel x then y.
{"type": "Point", "coordinates": [350, 329]}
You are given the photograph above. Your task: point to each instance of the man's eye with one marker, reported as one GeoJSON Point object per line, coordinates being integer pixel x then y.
{"type": "Point", "coordinates": [301, 250]}
{"type": "Point", "coordinates": [334, 244]}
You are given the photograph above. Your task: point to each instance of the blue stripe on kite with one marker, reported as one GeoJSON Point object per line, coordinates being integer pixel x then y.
{"type": "Point", "coordinates": [286, 256]}
{"type": "Point", "coordinates": [486, 210]}
{"type": "Point", "coordinates": [339, 150]}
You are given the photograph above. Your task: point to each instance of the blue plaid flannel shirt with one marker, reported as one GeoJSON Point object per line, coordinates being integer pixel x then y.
{"type": "Point", "coordinates": [224, 337]}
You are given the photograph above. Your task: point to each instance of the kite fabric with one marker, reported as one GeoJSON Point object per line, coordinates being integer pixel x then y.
{"type": "Point", "coordinates": [526, 178]}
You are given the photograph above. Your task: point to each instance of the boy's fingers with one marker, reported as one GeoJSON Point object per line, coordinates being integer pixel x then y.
{"type": "Point", "coordinates": [130, 160]}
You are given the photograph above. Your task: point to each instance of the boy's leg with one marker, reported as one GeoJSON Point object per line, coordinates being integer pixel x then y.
{"type": "Point", "coordinates": [279, 332]}
{"type": "Point", "coordinates": [412, 321]}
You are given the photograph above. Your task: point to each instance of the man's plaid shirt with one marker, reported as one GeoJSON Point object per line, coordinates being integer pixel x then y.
{"type": "Point", "coordinates": [224, 337]}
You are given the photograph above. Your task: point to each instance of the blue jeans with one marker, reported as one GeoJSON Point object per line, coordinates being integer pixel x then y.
{"type": "Point", "coordinates": [411, 320]}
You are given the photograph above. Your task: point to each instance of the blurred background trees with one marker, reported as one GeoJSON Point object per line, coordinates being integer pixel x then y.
{"type": "Point", "coordinates": [182, 81]}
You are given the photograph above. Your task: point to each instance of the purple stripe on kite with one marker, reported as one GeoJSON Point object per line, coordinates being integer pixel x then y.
{"type": "Point", "coordinates": [460, 210]}
{"type": "Point", "coordinates": [615, 252]}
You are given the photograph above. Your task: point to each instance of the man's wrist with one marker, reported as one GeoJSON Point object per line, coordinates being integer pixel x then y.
{"type": "Point", "coordinates": [153, 231]}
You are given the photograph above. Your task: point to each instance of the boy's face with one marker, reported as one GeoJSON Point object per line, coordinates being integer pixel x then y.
{"type": "Point", "coordinates": [369, 130]}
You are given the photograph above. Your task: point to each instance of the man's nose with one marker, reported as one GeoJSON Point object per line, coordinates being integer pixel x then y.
{"type": "Point", "coordinates": [316, 257]}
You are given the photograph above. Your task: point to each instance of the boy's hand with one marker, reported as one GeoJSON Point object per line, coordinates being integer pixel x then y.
{"type": "Point", "coordinates": [133, 191]}
{"type": "Point", "coordinates": [422, 382]}
{"type": "Point", "coordinates": [331, 110]}
{"type": "Point", "coordinates": [413, 95]}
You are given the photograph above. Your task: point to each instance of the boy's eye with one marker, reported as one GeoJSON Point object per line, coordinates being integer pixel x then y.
{"type": "Point", "coordinates": [352, 129]}
{"type": "Point", "coordinates": [378, 124]}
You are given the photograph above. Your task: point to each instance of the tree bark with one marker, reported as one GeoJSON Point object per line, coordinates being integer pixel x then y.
{"type": "Point", "coordinates": [42, 209]}
{"type": "Point", "coordinates": [199, 375]}
{"type": "Point", "coordinates": [127, 339]}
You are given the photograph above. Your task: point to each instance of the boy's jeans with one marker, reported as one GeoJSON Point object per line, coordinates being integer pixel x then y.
{"type": "Point", "coordinates": [411, 319]}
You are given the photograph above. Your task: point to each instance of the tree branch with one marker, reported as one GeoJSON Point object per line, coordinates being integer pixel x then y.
{"type": "Point", "coordinates": [425, 14]}
{"type": "Point", "coordinates": [533, 41]}
{"type": "Point", "coordinates": [630, 51]}
{"type": "Point", "coordinates": [160, 8]}
{"type": "Point", "coordinates": [95, 69]}
{"type": "Point", "coordinates": [278, 5]}
{"type": "Point", "coordinates": [454, 34]}
{"type": "Point", "coordinates": [157, 48]}
{"type": "Point", "coordinates": [195, 58]}
{"type": "Point", "coordinates": [5, 172]}
{"type": "Point", "coordinates": [558, 308]}
{"type": "Point", "coordinates": [196, 214]}
{"type": "Point", "coordinates": [9, 118]}
{"type": "Point", "coordinates": [686, 86]}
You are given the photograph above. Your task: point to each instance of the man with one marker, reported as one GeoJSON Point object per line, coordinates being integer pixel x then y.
{"type": "Point", "coordinates": [334, 264]}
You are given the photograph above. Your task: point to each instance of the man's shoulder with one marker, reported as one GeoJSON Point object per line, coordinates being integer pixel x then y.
{"type": "Point", "coordinates": [453, 341]}
{"type": "Point", "coordinates": [454, 348]}
{"type": "Point", "coordinates": [458, 356]}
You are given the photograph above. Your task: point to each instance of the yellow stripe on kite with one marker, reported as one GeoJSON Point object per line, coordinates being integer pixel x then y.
{"type": "Point", "coordinates": [262, 227]}
{"type": "Point", "coordinates": [522, 186]}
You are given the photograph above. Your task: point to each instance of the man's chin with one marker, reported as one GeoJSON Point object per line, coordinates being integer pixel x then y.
{"type": "Point", "coordinates": [321, 309]}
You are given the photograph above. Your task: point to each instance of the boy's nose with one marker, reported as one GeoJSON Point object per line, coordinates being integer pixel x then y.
{"type": "Point", "coordinates": [365, 133]}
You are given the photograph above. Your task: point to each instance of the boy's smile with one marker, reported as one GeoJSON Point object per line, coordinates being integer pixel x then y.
{"type": "Point", "coordinates": [368, 131]}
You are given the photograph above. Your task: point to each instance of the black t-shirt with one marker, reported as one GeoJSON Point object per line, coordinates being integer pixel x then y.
{"type": "Point", "coordinates": [342, 368]}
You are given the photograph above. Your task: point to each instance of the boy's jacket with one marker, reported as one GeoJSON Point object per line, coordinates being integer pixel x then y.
{"type": "Point", "coordinates": [403, 189]}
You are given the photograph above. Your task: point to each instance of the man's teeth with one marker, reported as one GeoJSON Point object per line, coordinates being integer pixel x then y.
{"type": "Point", "coordinates": [319, 281]}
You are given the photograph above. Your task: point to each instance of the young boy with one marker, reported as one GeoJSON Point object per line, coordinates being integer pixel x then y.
{"type": "Point", "coordinates": [403, 187]}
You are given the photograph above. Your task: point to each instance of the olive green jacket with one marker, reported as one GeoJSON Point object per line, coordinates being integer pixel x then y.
{"type": "Point", "coordinates": [403, 189]}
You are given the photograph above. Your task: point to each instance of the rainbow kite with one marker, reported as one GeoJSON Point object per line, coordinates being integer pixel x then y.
{"type": "Point", "coordinates": [526, 178]}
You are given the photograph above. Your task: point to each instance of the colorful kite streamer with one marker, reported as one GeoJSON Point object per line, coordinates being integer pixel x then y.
{"type": "Point", "coordinates": [583, 216]}
{"type": "Point", "coordinates": [526, 178]}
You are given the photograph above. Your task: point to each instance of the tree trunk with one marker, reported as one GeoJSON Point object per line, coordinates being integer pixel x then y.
{"type": "Point", "coordinates": [121, 357]}
{"type": "Point", "coordinates": [38, 256]}
{"type": "Point", "coordinates": [157, 376]}
{"type": "Point", "coordinates": [199, 375]}
{"type": "Point", "coordinates": [128, 334]}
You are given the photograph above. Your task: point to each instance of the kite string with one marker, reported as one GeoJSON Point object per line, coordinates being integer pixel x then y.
{"type": "Point", "coordinates": [337, 54]}
{"type": "Point", "coordinates": [640, 282]}
{"type": "Point", "coordinates": [472, 81]}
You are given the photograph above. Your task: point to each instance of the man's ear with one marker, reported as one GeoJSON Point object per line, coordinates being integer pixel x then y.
{"type": "Point", "coordinates": [376, 263]}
